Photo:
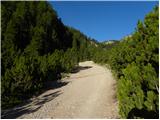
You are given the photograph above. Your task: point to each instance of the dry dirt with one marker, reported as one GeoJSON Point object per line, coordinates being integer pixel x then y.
{"type": "Point", "coordinates": [87, 93]}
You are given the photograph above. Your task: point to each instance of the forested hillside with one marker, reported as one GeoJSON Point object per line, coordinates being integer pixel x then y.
{"type": "Point", "coordinates": [135, 62]}
{"type": "Point", "coordinates": [36, 47]}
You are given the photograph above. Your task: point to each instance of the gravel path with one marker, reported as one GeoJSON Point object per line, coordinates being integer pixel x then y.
{"type": "Point", "coordinates": [87, 93]}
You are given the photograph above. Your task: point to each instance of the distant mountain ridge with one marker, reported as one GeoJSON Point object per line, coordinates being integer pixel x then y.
{"type": "Point", "coordinates": [109, 42]}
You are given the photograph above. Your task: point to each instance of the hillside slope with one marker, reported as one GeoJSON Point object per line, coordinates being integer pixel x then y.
{"type": "Point", "coordinates": [36, 47]}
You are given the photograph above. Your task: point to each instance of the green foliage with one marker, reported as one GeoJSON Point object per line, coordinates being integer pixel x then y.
{"type": "Point", "coordinates": [22, 79]}
{"type": "Point", "coordinates": [135, 60]}
{"type": "Point", "coordinates": [36, 47]}
{"type": "Point", "coordinates": [151, 100]}
{"type": "Point", "coordinates": [144, 71]}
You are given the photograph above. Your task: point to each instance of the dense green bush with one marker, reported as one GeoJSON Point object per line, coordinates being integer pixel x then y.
{"type": "Point", "coordinates": [21, 80]}
{"type": "Point", "coordinates": [135, 60]}
{"type": "Point", "coordinates": [36, 47]}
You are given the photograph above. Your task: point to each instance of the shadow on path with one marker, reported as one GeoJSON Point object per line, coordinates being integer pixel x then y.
{"type": "Point", "coordinates": [79, 68]}
{"type": "Point", "coordinates": [36, 103]}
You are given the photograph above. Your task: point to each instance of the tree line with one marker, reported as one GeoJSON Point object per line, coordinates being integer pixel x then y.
{"type": "Point", "coordinates": [36, 47]}
{"type": "Point", "coordinates": [135, 63]}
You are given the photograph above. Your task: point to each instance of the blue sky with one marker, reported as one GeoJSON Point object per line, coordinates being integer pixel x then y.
{"type": "Point", "coordinates": [105, 20]}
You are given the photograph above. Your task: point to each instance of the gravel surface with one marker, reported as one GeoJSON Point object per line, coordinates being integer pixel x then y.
{"type": "Point", "coordinates": [89, 92]}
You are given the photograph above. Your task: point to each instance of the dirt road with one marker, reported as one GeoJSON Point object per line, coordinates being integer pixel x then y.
{"type": "Point", "coordinates": [87, 93]}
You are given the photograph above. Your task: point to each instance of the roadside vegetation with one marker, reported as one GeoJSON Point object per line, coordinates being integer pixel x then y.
{"type": "Point", "coordinates": [135, 61]}
{"type": "Point", "coordinates": [37, 47]}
